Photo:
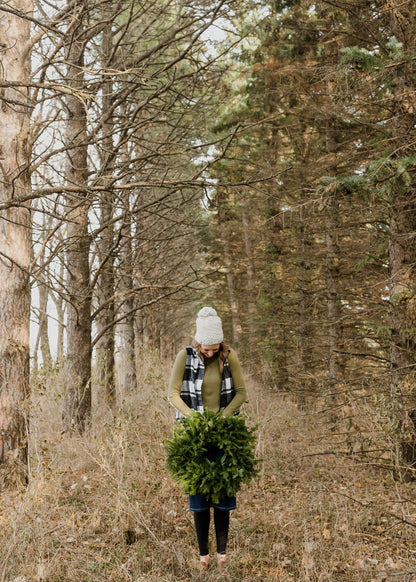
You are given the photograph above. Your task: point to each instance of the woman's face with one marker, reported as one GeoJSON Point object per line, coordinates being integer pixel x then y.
{"type": "Point", "coordinates": [209, 351]}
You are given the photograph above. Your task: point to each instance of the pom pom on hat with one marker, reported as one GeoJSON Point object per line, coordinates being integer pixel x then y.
{"type": "Point", "coordinates": [208, 327]}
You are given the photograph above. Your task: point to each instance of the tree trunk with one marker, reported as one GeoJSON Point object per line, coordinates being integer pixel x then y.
{"type": "Point", "coordinates": [127, 309]}
{"type": "Point", "coordinates": [105, 292]}
{"type": "Point", "coordinates": [15, 238]}
{"type": "Point", "coordinates": [43, 325]}
{"type": "Point", "coordinates": [60, 312]}
{"type": "Point", "coordinates": [77, 405]}
{"type": "Point", "coordinates": [235, 319]}
{"type": "Point", "coordinates": [43, 313]}
{"type": "Point", "coordinates": [402, 253]}
{"type": "Point", "coordinates": [250, 274]}
{"type": "Point", "coordinates": [228, 264]}
{"type": "Point", "coordinates": [335, 330]}
{"type": "Point", "coordinates": [278, 346]}
{"type": "Point", "coordinates": [304, 335]}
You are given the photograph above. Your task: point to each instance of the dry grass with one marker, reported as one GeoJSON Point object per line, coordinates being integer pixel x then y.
{"type": "Point", "coordinates": [102, 507]}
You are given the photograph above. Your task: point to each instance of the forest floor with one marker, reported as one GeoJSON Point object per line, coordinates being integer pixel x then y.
{"type": "Point", "coordinates": [102, 507]}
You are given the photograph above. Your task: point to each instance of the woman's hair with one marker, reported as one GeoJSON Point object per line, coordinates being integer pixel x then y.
{"type": "Point", "coordinates": [221, 354]}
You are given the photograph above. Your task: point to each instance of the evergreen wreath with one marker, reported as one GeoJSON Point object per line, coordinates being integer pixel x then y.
{"type": "Point", "coordinates": [212, 455]}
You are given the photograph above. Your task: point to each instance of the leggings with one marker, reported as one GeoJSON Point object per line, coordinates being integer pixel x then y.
{"type": "Point", "coordinates": [222, 523]}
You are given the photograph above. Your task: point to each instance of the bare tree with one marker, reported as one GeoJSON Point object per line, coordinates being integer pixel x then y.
{"type": "Point", "coordinates": [77, 407]}
{"type": "Point", "coordinates": [120, 89]}
{"type": "Point", "coordinates": [104, 350]}
{"type": "Point", "coordinates": [15, 150]}
{"type": "Point", "coordinates": [127, 304]}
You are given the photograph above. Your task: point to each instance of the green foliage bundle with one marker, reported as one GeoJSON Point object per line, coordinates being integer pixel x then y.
{"type": "Point", "coordinates": [361, 59]}
{"type": "Point", "coordinates": [190, 459]}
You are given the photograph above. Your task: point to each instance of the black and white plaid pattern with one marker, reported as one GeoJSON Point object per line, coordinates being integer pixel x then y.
{"type": "Point", "coordinates": [193, 377]}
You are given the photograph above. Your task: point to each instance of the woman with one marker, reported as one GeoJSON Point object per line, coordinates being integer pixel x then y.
{"type": "Point", "coordinates": [208, 376]}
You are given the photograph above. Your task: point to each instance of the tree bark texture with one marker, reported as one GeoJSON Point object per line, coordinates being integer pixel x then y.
{"type": "Point", "coordinates": [402, 246]}
{"type": "Point", "coordinates": [335, 330]}
{"type": "Point", "coordinates": [278, 330]}
{"type": "Point", "coordinates": [43, 316]}
{"type": "Point", "coordinates": [402, 254]}
{"type": "Point", "coordinates": [77, 404]}
{"type": "Point", "coordinates": [305, 328]}
{"type": "Point", "coordinates": [127, 308]}
{"type": "Point", "coordinates": [250, 273]}
{"type": "Point", "coordinates": [15, 236]}
{"type": "Point", "coordinates": [105, 292]}
{"type": "Point", "coordinates": [229, 270]}
{"type": "Point", "coordinates": [60, 313]}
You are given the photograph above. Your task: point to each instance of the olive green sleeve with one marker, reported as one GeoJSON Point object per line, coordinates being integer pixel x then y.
{"type": "Point", "coordinates": [239, 385]}
{"type": "Point", "coordinates": [175, 384]}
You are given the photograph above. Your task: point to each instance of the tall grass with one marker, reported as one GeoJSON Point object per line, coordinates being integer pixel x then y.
{"type": "Point", "coordinates": [102, 507]}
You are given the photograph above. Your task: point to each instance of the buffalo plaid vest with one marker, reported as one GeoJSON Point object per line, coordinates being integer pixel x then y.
{"type": "Point", "coordinates": [193, 377]}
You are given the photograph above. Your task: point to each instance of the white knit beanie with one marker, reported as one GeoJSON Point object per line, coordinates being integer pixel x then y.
{"type": "Point", "coordinates": [208, 327]}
